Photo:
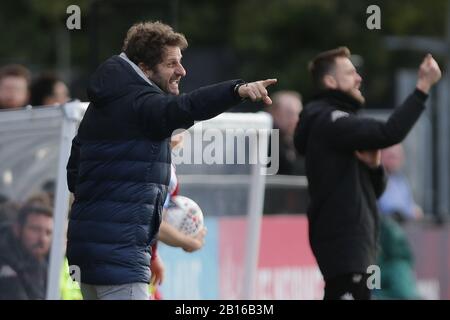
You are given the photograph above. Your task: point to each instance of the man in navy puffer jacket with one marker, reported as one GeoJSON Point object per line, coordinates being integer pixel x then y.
{"type": "Point", "coordinates": [119, 167]}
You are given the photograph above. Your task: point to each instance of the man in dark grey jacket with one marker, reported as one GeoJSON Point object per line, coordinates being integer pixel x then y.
{"type": "Point", "coordinates": [24, 248]}
{"type": "Point", "coordinates": [119, 167]}
{"type": "Point", "coordinates": [343, 168]}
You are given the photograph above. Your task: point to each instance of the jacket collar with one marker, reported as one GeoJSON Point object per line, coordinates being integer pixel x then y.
{"type": "Point", "coordinates": [341, 99]}
{"type": "Point", "coordinates": [135, 68]}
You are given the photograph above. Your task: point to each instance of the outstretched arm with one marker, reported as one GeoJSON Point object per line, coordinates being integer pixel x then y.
{"type": "Point", "coordinates": [161, 114]}
{"type": "Point", "coordinates": [350, 133]}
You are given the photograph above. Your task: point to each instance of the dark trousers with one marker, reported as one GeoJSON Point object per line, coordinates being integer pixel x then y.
{"type": "Point", "coordinates": [352, 286]}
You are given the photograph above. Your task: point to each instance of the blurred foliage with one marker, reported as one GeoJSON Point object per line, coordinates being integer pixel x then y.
{"type": "Point", "coordinates": [30, 27]}
{"type": "Point", "coordinates": [54, 11]}
{"type": "Point", "coordinates": [283, 35]}
{"type": "Point", "coordinates": [270, 38]}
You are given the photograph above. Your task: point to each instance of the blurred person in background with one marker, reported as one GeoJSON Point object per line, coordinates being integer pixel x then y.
{"type": "Point", "coordinates": [396, 206]}
{"type": "Point", "coordinates": [397, 200]}
{"type": "Point", "coordinates": [285, 110]}
{"type": "Point", "coordinates": [120, 162]}
{"type": "Point", "coordinates": [48, 90]}
{"type": "Point", "coordinates": [14, 86]}
{"type": "Point", "coordinates": [24, 249]}
{"type": "Point", "coordinates": [69, 289]}
{"type": "Point", "coordinates": [396, 262]}
{"type": "Point", "coordinates": [344, 171]}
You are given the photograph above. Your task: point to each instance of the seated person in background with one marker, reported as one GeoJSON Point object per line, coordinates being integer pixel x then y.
{"type": "Point", "coordinates": [69, 289]}
{"type": "Point", "coordinates": [14, 82]}
{"type": "Point", "coordinates": [395, 257]}
{"type": "Point", "coordinates": [284, 110]}
{"type": "Point", "coordinates": [396, 262]}
{"type": "Point", "coordinates": [24, 249]}
{"type": "Point", "coordinates": [397, 200]}
{"type": "Point", "coordinates": [48, 90]}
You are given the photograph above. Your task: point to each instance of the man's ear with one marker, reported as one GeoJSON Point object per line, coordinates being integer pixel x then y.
{"type": "Point", "coordinates": [145, 69]}
{"type": "Point", "coordinates": [329, 82]}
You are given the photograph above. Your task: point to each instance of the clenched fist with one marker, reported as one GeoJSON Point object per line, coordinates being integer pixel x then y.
{"type": "Point", "coordinates": [429, 73]}
{"type": "Point", "coordinates": [256, 91]}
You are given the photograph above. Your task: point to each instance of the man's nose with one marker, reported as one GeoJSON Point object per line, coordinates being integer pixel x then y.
{"type": "Point", "coordinates": [45, 237]}
{"type": "Point", "coordinates": [181, 71]}
{"type": "Point", "coordinates": [358, 77]}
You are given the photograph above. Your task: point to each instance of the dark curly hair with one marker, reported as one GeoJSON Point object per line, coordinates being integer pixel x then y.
{"type": "Point", "coordinates": [146, 41]}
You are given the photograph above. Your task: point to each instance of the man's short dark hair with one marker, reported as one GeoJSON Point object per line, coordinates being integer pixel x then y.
{"type": "Point", "coordinates": [40, 199]}
{"type": "Point", "coordinates": [146, 41]}
{"type": "Point", "coordinates": [323, 64]}
{"type": "Point", "coordinates": [28, 210]}
{"type": "Point", "coordinates": [43, 87]}
{"type": "Point", "coordinates": [15, 70]}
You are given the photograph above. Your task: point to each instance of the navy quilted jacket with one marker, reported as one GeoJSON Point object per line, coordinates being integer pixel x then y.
{"type": "Point", "coordinates": [119, 169]}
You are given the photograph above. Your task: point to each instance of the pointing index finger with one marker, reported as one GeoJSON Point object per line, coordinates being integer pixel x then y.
{"type": "Point", "coordinates": [268, 82]}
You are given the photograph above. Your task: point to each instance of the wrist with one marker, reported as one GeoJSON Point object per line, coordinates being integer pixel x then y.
{"type": "Point", "coordinates": [236, 89]}
{"type": "Point", "coordinates": [423, 86]}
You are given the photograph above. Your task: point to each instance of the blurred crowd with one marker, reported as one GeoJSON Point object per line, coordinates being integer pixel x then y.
{"type": "Point", "coordinates": [25, 238]}
{"type": "Point", "coordinates": [26, 227]}
{"type": "Point", "coordinates": [19, 89]}
{"type": "Point", "coordinates": [26, 230]}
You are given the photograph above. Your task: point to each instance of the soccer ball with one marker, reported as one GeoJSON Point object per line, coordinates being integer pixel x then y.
{"type": "Point", "coordinates": [185, 215]}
